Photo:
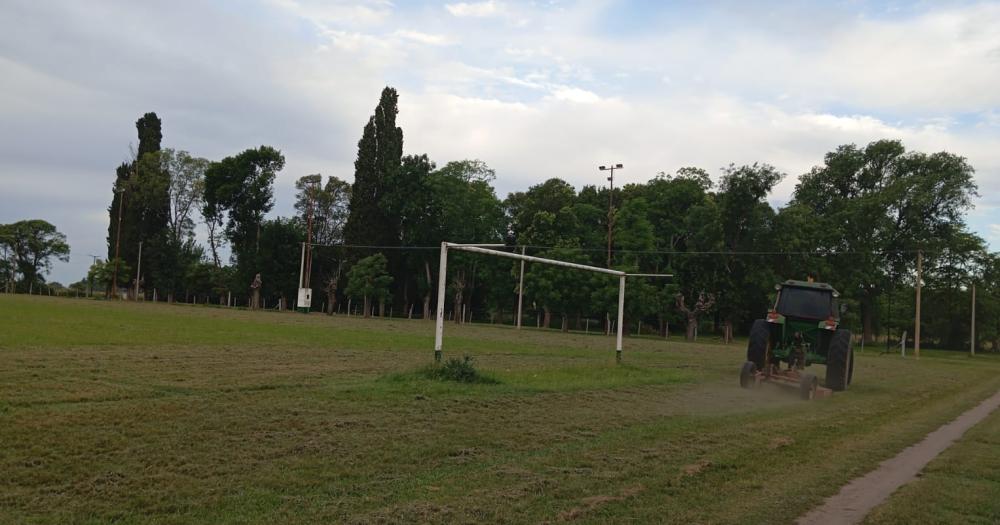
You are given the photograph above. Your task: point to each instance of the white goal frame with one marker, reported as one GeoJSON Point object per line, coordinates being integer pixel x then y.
{"type": "Point", "coordinates": [489, 249]}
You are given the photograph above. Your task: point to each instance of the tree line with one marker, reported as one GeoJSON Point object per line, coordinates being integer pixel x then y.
{"type": "Point", "coordinates": [857, 220]}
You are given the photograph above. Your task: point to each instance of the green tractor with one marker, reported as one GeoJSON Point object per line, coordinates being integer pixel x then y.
{"type": "Point", "coordinates": [800, 330]}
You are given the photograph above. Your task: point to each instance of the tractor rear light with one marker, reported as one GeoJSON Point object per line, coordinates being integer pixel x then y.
{"type": "Point", "coordinates": [772, 317]}
{"type": "Point", "coordinates": [830, 324]}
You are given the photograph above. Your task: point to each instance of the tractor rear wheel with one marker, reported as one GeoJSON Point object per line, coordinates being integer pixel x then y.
{"type": "Point", "coordinates": [807, 386]}
{"type": "Point", "coordinates": [840, 361]}
{"type": "Point", "coordinates": [760, 333]}
{"type": "Point", "coordinates": [747, 373]}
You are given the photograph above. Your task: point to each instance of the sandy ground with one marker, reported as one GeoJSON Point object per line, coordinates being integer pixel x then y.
{"type": "Point", "coordinates": [856, 499]}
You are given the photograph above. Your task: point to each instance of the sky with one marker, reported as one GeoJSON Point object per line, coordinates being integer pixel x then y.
{"type": "Point", "coordinates": [536, 89]}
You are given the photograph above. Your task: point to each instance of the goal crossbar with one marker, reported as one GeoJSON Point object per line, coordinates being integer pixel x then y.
{"type": "Point", "coordinates": [489, 249]}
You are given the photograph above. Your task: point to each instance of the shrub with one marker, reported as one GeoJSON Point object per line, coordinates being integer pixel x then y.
{"type": "Point", "coordinates": [459, 370]}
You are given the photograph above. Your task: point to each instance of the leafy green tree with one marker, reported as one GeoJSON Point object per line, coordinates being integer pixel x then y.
{"type": "Point", "coordinates": [988, 307]}
{"type": "Point", "coordinates": [34, 244]}
{"type": "Point", "coordinates": [328, 203]}
{"type": "Point", "coordinates": [880, 204]}
{"type": "Point", "coordinates": [559, 290]}
{"type": "Point", "coordinates": [455, 203]}
{"type": "Point", "coordinates": [369, 280]}
{"type": "Point", "coordinates": [550, 196]}
{"type": "Point", "coordinates": [241, 188]}
{"type": "Point", "coordinates": [278, 263]}
{"type": "Point", "coordinates": [633, 233]}
{"type": "Point", "coordinates": [187, 190]}
{"type": "Point", "coordinates": [101, 274]}
{"type": "Point", "coordinates": [746, 218]}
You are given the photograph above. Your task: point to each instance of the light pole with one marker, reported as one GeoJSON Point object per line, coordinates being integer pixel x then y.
{"type": "Point", "coordinates": [611, 203]}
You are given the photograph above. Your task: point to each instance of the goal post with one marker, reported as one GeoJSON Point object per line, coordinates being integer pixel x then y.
{"type": "Point", "coordinates": [490, 249]}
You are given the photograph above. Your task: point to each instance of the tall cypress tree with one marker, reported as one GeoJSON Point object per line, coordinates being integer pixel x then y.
{"type": "Point", "coordinates": [145, 214]}
{"type": "Point", "coordinates": [380, 152]}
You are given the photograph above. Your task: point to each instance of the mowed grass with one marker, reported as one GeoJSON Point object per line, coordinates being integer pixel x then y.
{"type": "Point", "coordinates": [961, 486]}
{"type": "Point", "coordinates": [143, 413]}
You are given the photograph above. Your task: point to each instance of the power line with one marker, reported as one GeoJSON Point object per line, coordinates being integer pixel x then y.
{"type": "Point", "coordinates": [647, 252]}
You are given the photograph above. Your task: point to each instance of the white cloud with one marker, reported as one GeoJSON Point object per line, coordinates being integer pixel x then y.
{"type": "Point", "coordinates": [572, 94]}
{"type": "Point", "coordinates": [474, 9]}
{"type": "Point", "coordinates": [325, 13]}
{"type": "Point", "coordinates": [423, 38]}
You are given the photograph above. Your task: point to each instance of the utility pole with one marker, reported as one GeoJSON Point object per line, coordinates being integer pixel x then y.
{"type": "Point", "coordinates": [972, 342]}
{"type": "Point", "coordinates": [304, 301]}
{"type": "Point", "coordinates": [138, 272]}
{"type": "Point", "coordinates": [916, 327]}
{"type": "Point", "coordinates": [611, 203]}
{"type": "Point", "coordinates": [309, 224]}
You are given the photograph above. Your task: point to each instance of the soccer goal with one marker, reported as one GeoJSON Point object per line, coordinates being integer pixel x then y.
{"type": "Point", "coordinates": [491, 249]}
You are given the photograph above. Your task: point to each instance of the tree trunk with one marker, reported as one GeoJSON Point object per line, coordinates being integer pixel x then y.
{"type": "Point", "coordinates": [367, 310]}
{"type": "Point", "coordinates": [459, 289]}
{"type": "Point", "coordinates": [565, 323]}
{"type": "Point", "coordinates": [727, 331]}
{"type": "Point", "coordinates": [381, 308]}
{"type": "Point", "coordinates": [331, 296]}
{"type": "Point", "coordinates": [547, 318]}
{"type": "Point", "coordinates": [867, 316]}
{"type": "Point", "coordinates": [692, 324]}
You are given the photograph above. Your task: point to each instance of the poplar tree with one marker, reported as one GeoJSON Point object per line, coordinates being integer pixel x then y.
{"type": "Point", "coordinates": [380, 153]}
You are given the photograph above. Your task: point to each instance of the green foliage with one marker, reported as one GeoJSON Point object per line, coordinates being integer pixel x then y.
{"type": "Point", "coordinates": [327, 203]}
{"type": "Point", "coordinates": [241, 187]}
{"type": "Point", "coordinates": [31, 246]}
{"type": "Point", "coordinates": [550, 196]}
{"type": "Point", "coordinates": [101, 274]}
{"type": "Point", "coordinates": [380, 153]}
{"type": "Point", "coordinates": [280, 274]}
{"type": "Point", "coordinates": [140, 206]}
{"type": "Point", "coordinates": [187, 190]}
{"type": "Point", "coordinates": [882, 203]}
{"type": "Point", "coordinates": [459, 370]}
{"type": "Point", "coordinates": [369, 279]}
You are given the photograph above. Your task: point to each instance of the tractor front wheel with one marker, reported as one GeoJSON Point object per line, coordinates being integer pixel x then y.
{"type": "Point", "coordinates": [760, 334]}
{"type": "Point", "coordinates": [840, 361]}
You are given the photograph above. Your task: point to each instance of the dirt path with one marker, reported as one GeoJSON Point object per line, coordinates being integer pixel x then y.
{"type": "Point", "coordinates": [856, 499]}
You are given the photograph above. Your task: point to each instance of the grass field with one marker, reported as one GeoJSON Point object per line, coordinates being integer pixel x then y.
{"type": "Point", "coordinates": [143, 413]}
{"type": "Point", "coordinates": [961, 486]}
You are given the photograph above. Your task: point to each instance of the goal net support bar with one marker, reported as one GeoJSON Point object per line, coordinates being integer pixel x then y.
{"type": "Point", "coordinates": [490, 249]}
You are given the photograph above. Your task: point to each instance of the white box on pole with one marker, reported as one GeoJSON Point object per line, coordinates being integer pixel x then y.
{"type": "Point", "coordinates": [305, 298]}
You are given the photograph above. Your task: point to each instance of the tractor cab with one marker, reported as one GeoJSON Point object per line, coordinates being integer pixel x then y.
{"type": "Point", "coordinates": [801, 329]}
{"type": "Point", "coordinates": [807, 300]}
